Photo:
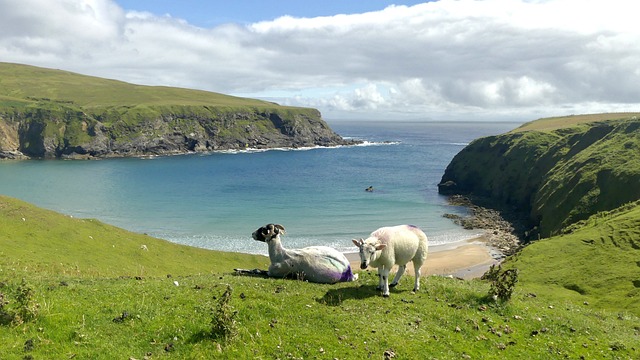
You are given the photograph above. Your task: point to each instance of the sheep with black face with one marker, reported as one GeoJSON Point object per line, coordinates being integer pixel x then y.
{"type": "Point", "coordinates": [319, 264]}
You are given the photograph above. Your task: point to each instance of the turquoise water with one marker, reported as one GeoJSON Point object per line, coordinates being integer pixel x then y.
{"type": "Point", "coordinates": [217, 200]}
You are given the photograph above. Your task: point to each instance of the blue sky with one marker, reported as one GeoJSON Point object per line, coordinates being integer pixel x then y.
{"type": "Point", "coordinates": [212, 13]}
{"type": "Point", "coordinates": [369, 59]}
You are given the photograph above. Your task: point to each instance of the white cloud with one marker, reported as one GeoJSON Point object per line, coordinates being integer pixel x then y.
{"type": "Point", "coordinates": [438, 59]}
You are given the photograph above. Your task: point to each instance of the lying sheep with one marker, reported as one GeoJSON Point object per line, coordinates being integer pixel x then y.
{"type": "Point", "coordinates": [396, 245]}
{"type": "Point", "coordinates": [319, 264]}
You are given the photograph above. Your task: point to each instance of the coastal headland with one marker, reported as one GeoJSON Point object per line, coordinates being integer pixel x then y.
{"type": "Point", "coordinates": [47, 113]}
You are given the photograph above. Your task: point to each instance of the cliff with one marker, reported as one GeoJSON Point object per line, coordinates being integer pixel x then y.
{"type": "Point", "coordinates": [556, 171]}
{"type": "Point", "coordinates": [56, 114]}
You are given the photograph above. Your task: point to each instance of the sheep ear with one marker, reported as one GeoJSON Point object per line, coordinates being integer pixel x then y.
{"type": "Point", "coordinates": [381, 246]}
{"type": "Point", "coordinates": [357, 242]}
{"type": "Point", "coordinates": [280, 229]}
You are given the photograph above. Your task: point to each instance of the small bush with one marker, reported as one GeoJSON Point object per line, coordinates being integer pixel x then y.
{"type": "Point", "coordinates": [5, 316]}
{"type": "Point", "coordinates": [224, 318]}
{"type": "Point", "coordinates": [24, 308]}
{"type": "Point", "coordinates": [27, 308]}
{"type": "Point", "coordinates": [502, 282]}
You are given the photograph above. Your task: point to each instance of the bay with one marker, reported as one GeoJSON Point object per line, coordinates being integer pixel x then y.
{"type": "Point", "coordinates": [217, 200]}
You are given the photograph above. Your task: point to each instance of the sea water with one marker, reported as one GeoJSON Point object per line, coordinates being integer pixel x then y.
{"type": "Point", "coordinates": [216, 200]}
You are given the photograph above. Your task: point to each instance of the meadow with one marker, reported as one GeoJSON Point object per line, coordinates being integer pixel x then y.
{"type": "Point", "coordinates": [560, 122]}
{"type": "Point", "coordinates": [23, 84]}
{"type": "Point", "coordinates": [77, 288]}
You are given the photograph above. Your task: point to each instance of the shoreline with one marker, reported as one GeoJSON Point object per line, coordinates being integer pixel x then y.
{"type": "Point", "coordinates": [467, 259]}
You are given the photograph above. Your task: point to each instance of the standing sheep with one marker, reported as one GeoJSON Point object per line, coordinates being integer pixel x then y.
{"type": "Point", "coordinates": [395, 245]}
{"type": "Point", "coordinates": [319, 264]}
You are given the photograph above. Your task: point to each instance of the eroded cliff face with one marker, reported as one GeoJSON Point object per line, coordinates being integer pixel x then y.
{"type": "Point", "coordinates": [554, 177]}
{"type": "Point", "coordinates": [65, 132]}
{"type": "Point", "coordinates": [9, 140]}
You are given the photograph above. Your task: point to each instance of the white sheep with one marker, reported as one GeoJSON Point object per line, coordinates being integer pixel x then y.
{"type": "Point", "coordinates": [394, 245]}
{"type": "Point", "coordinates": [319, 264]}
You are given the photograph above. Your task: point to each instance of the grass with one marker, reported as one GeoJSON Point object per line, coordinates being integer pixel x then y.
{"type": "Point", "coordinates": [45, 242]}
{"type": "Point", "coordinates": [596, 259]}
{"type": "Point", "coordinates": [122, 318]}
{"type": "Point", "coordinates": [599, 172]}
{"type": "Point", "coordinates": [562, 122]}
{"type": "Point", "coordinates": [26, 88]}
{"type": "Point", "coordinates": [100, 296]}
{"type": "Point", "coordinates": [23, 82]}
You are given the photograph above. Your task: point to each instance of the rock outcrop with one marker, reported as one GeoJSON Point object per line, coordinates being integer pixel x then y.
{"type": "Point", "coordinates": [501, 234]}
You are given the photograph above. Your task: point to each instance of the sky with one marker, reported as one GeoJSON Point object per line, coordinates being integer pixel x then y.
{"type": "Point", "coordinates": [351, 59]}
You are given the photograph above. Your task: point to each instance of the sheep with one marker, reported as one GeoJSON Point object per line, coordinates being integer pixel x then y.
{"type": "Point", "coordinates": [319, 264]}
{"type": "Point", "coordinates": [393, 245]}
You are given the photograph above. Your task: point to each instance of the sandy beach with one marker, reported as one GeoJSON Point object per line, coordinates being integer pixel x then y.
{"type": "Point", "coordinates": [466, 259]}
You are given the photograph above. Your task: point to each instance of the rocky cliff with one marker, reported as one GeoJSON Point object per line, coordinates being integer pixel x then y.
{"type": "Point", "coordinates": [555, 175]}
{"type": "Point", "coordinates": [47, 113]}
{"type": "Point", "coordinates": [44, 131]}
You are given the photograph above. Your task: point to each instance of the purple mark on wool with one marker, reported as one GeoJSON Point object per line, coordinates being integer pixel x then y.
{"type": "Point", "coordinates": [347, 275]}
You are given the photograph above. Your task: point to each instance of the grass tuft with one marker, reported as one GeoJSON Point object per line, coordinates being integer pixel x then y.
{"type": "Point", "coordinates": [223, 322]}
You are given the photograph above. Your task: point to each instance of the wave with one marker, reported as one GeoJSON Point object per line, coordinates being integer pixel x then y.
{"type": "Point", "coordinates": [377, 143]}
{"type": "Point", "coordinates": [250, 150]}
{"type": "Point", "coordinates": [303, 148]}
{"type": "Point", "coordinates": [342, 243]}
{"type": "Point", "coordinates": [457, 144]}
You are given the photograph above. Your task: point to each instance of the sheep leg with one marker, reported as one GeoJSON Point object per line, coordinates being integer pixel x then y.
{"type": "Point", "coordinates": [416, 286]}
{"type": "Point", "coordinates": [280, 270]}
{"type": "Point", "coordinates": [399, 274]}
{"type": "Point", "coordinates": [254, 272]}
{"type": "Point", "coordinates": [384, 281]}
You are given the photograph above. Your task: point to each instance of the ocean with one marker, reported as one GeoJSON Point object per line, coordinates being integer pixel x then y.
{"type": "Point", "coordinates": [216, 200]}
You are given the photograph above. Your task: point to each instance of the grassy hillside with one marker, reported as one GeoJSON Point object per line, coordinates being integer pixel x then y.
{"type": "Point", "coordinates": [597, 259]}
{"type": "Point", "coordinates": [27, 84]}
{"type": "Point", "coordinates": [35, 240]}
{"type": "Point", "coordinates": [561, 122]}
{"type": "Point", "coordinates": [92, 292]}
{"type": "Point", "coordinates": [557, 172]}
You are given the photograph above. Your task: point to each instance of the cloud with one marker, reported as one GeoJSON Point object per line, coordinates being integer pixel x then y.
{"type": "Point", "coordinates": [433, 60]}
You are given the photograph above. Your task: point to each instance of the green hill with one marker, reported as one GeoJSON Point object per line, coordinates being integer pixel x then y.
{"type": "Point", "coordinates": [577, 180]}
{"type": "Point", "coordinates": [561, 122]}
{"type": "Point", "coordinates": [597, 259]}
{"type": "Point", "coordinates": [556, 171]}
{"type": "Point", "coordinates": [41, 241]}
{"type": "Point", "coordinates": [53, 113]}
{"type": "Point", "coordinates": [29, 84]}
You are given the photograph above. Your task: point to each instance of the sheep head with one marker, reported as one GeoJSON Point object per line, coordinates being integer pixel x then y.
{"type": "Point", "coordinates": [368, 250]}
{"type": "Point", "coordinates": [268, 232]}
